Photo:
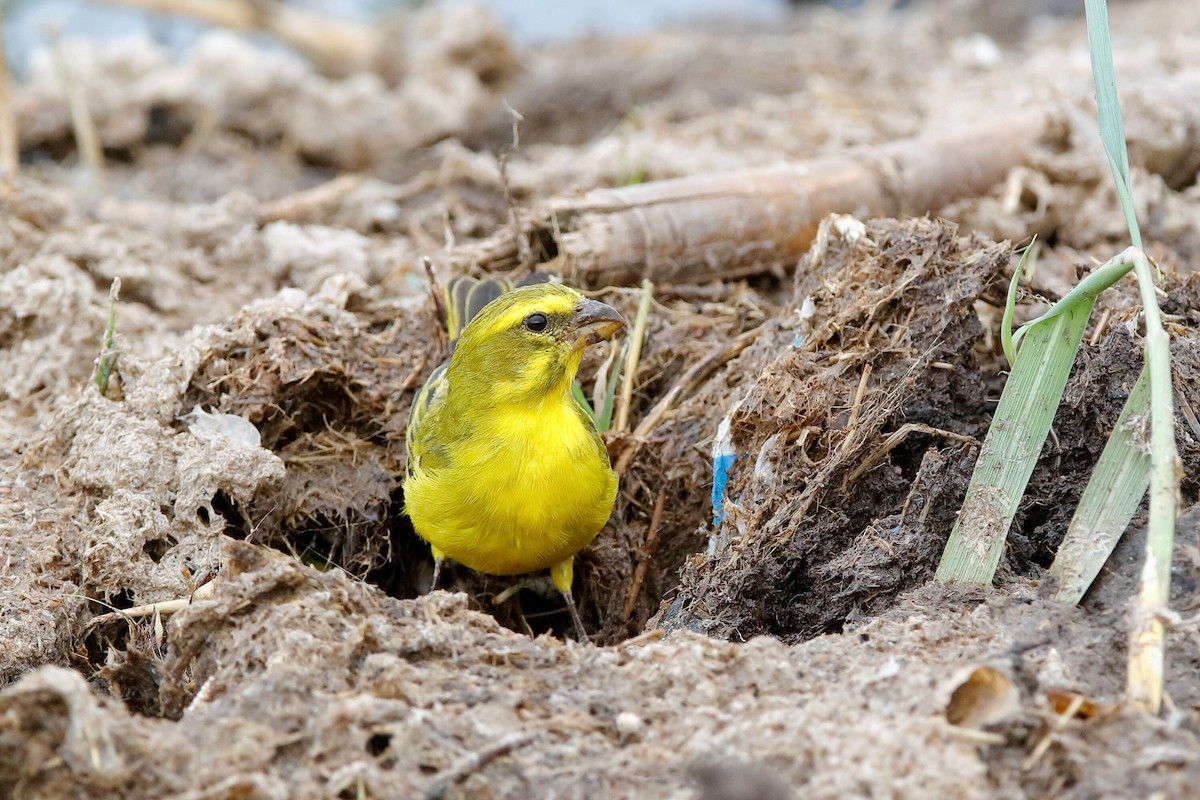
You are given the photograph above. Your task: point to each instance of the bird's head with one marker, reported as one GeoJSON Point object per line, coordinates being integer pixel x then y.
{"type": "Point", "coordinates": [526, 345]}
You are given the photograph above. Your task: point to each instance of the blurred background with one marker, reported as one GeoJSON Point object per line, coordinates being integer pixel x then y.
{"type": "Point", "coordinates": [528, 21]}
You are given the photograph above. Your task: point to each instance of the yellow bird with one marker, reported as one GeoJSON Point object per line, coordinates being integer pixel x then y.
{"type": "Point", "coordinates": [506, 473]}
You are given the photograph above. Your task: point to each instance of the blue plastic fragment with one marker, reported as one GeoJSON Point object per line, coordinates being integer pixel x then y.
{"type": "Point", "coordinates": [721, 465]}
{"type": "Point", "coordinates": [723, 456]}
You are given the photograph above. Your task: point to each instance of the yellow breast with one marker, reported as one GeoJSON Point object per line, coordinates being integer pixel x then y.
{"type": "Point", "coordinates": [527, 489]}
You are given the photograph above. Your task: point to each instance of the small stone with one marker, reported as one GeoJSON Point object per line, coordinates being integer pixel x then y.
{"type": "Point", "coordinates": [629, 725]}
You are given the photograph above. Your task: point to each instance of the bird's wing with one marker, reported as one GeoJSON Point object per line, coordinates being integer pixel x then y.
{"type": "Point", "coordinates": [467, 296]}
{"type": "Point", "coordinates": [424, 449]}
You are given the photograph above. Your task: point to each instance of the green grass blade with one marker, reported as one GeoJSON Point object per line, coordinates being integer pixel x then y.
{"type": "Point", "coordinates": [1022, 420]}
{"type": "Point", "coordinates": [1086, 290]}
{"type": "Point", "coordinates": [1112, 496]}
{"type": "Point", "coordinates": [1014, 441]}
{"type": "Point", "coordinates": [581, 398]}
{"type": "Point", "coordinates": [106, 363]}
{"type": "Point", "coordinates": [1010, 305]}
{"type": "Point", "coordinates": [1146, 643]}
{"type": "Point", "coordinates": [1112, 130]}
{"type": "Point", "coordinates": [604, 417]}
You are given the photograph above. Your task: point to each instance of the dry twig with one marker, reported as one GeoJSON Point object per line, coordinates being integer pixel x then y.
{"type": "Point", "coordinates": [894, 440]}
{"type": "Point", "coordinates": [688, 380]}
{"type": "Point", "coordinates": [647, 552]}
{"type": "Point", "coordinates": [87, 141]}
{"type": "Point", "coordinates": [473, 762]}
{"type": "Point", "coordinates": [308, 204]}
{"type": "Point", "coordinates": [1057, 724]}
{"type": "Point", "coordinates": [163, 608]}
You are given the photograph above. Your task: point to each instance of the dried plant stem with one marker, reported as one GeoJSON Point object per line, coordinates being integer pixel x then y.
{"type": "Point", "coordinates": [727, 226]}
{"type": "Point", "coordinates": [164, 608]}
{"type": "Point", "coordinates": [694, 374]}
{"type": "Point", "coordinates": [473, 762]}
{"type": "Point", "coordinates": [741, 223]}
{"type": "Point", "coordinates": [308, 205]}
{"type": "Point", "coordinates": [895, 439]}
{"type": "Point", "coordinates": [859, 393]}
{"type": "Point", "coordinates": [1057, 724]}
{"type": "Point", "coordinates": [647, 552]}
{"type": "Point", "coordinates": [87, 141]}
{"type": "Point", "coordinates": [1146, 647]}
{"type": "Point", "coordinates": [106, 364]}
{"type": "Point", "coordinates": [635, 356]}
{"type": "Point", "coordinates": [10, 146]}
{"type": "Point", "coordinates": [643, 639]}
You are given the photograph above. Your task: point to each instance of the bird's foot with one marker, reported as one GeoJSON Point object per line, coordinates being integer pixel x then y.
{"type": "Point", "coordinates": [580, 633]}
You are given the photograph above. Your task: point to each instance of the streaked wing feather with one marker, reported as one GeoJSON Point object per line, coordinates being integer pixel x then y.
{"type": "Point", "coordinates": [457, 290]}
{"type": "Point", "coordinates": [535, 278]}
{"type": "Point", "coordinates": [466, 297]}
{"type": "Point", "coordinates": [482, 293]}
{"type": "Point", "coordinates": [420, 445]}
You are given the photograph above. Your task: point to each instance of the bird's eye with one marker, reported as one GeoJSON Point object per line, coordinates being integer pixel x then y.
{"type": "Point", "coordinates": [536, 323]}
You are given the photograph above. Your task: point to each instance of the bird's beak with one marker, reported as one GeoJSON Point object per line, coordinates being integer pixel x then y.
{"type": "Point", "coordinates": [594, 322]}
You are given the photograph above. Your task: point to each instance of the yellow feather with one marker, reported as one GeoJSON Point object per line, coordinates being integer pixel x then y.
{"type": "Point", "coordinates": [507, 475]}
